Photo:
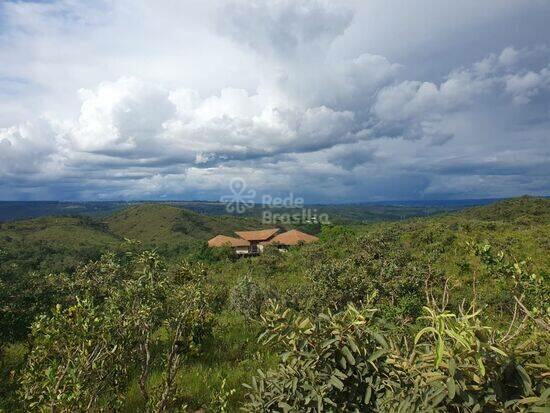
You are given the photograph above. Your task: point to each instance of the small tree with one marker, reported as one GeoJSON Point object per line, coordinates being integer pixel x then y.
{"type": "Point", "coordinates": [77, 362]}
{"type": "Point", "coordinates": [79, 355]}
{"type": "Point", "coordinates": [247, 298]}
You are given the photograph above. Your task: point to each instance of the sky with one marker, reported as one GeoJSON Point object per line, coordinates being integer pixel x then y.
{"type": "Point", "coordinates": [332, 101]}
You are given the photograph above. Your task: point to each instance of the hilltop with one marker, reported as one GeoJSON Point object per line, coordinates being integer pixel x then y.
{"type": "Point", "coordinates": [513, 209]}
{"type": "Point", "coordinates": [172, 227]}
{"type": "Point", "coordinates": [64, 240]}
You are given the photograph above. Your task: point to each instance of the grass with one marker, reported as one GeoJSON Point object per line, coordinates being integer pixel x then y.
{"type": "Point", "coordinates": [231, 354]}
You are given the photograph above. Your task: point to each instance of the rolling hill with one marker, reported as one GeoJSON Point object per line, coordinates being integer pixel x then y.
{"type": "Point", "coordinates": [165, 225]}
{"type": "Point", "coordinates": [510, 210]}
{"type": "Point", "coordinates": [66, 232]}
{"type": "Point", "coordinates": [60, 242]}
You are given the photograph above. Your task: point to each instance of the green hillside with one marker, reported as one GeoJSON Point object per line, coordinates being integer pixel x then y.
{"type": "Point", "coordinates": [173, 228]}
{"type": "Point", "coordinates": [59, 243]}
{"type": "Point", "coordinates": [67, 232]}
{"type": "Point", "coordinates": [485, 256]}
{"type": "Point", "coordinates": [513, 209]}
{"type": "Point", "coordinates": [54, 243]}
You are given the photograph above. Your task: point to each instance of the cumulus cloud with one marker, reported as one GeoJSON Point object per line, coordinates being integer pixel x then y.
{"type": "Point", "coordinates": [29, 148]}
{"type": "Point", "coordinates": [285, 98]}
{"type": "Point", "coordinates": [524, 87]}
{"type": "Point", "coordinates": [126, 115]}
{"type": "Point", "coordinates": [283, 28]}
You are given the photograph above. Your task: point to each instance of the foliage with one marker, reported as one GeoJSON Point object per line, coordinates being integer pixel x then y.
{"type": "Point", "coordinates": [220, 399]}
{"type": "Point", "coordinates": [373, 265]}
{"type": "Point", "coordinates": [344, 362]}
{"type": "Point", "coordinates": [324, 362]}
{"type": "Point", "coordinates": [80, 355]}
{"type": "Point", "coordinates": [247, 298]}
{"type": "Point", "coordinates": [180, 334]}
{"type": "Point", "coordinates": [76, 363]}
{"type": "Point", "coordinates": [270, 261]}
{"type": "Point", "coordinates": [533, 288]}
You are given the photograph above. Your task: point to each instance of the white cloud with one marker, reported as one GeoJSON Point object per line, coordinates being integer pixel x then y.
{"type": "Point", "coordinates": [29, 149]}
{"type": "Point", "coordinates": [299, 95]}
{"type": "Point", "coordinates": [121, 116]}
{"type": "Point", "coordinates": [523, 87]}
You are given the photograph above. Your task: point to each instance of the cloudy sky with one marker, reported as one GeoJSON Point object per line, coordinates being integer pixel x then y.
{"type": "Point", "coordinates": [335, 101]}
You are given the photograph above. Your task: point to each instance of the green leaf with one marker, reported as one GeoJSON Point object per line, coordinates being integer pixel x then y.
{"type": "Point", "coordinates": [451, 388]}
{"type": "Point", "coordinates": [424, 331]}
{"type": "Point", "coordinates": [349, 357]}
{"type": "Point", "coordinates": [380, 339]}
{"type": "Point", "coordinates": [452, 366]}
{"type": "Point", "coordinates": [286, 407]}
{"type": "Point", "coordinates": [526, 380]}
{"type": "Point", "coordinates": [336, 382]}
{"type": "Point", "coordinates": [481, 366]}
{"type": "Point", "coordinates": [376, 355]}
{"type": "Point", "coordinates": [368, 394]}
{"type": "Point", "coordinates": [498, 351]}
{"type": "Point", "coordinates": [439, 352]}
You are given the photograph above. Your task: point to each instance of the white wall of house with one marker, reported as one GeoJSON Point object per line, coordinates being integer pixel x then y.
{"type": "Point", "coordinates": [241, 250]}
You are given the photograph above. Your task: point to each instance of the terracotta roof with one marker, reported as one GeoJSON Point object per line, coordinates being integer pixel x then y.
{"type": "Point", "coordinates": [222, 241]}
{"type": "Point", "coordinates": [292, 237]}
{"type": "Point", "coordinates": [261, 235]}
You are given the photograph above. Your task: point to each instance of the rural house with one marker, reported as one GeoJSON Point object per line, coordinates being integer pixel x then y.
{"type": "Point", "coordinates": [253, 242]}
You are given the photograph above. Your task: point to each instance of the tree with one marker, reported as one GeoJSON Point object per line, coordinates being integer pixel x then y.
{"type": "Point", "coordinates": [77, 362]}
{"type": "Point", "coordinates": [80, 354]}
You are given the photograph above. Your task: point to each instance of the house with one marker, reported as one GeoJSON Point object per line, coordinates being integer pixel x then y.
{"type": "Point", "coordinates": [290, 238]}
{"type": "Point", "coordinates": [240, 246]}
{"type": "Point", "coordinates": [253, 242]}
{"type": "Point", "coordinates": [257, 237]}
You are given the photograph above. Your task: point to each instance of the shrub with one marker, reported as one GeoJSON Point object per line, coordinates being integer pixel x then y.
{"type": "Point", "coordinates": [80, 356]}
{"type": "Point", "coordinates": [247, 298]}
{"type": "Point", "coordinates": [345, 362]}
{"type": "Point", "coordinates": [76, 362]}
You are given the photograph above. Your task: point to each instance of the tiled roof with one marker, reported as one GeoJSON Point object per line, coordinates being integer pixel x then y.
{"type": "Point", "coordinates": [292, 237]}
{"type": "Point", "coordinates": [222, 241]}
{"type": "Point", "coordinates": [261, 235]}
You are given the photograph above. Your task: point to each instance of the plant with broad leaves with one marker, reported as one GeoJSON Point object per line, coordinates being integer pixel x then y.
{"type": "Point", "coordinates": [460, 364]}
{"type": "Point", "coordinates": [79, 355]}
{"type": "Point", "coordinates": [345, 362]}
{"type": "Point", "coordinates": [531, 289]}
{"type": "Point", "coordinates": [77, 362]}
{"type": "Point", "coordinates": [335, 362]}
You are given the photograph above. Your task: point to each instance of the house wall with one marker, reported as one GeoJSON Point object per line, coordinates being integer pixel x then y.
{"type": "Point", "coordinates": [241, 250]}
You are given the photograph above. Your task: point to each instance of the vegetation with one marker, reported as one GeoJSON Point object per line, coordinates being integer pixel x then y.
{"type": "Point", "coordinates": [446, 313]}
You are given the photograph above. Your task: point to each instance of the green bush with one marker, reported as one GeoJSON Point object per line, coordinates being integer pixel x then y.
{"type": "Point", "coordinates": [346, 362]}
{"type": "Point", "coordinates": [247, 298]}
